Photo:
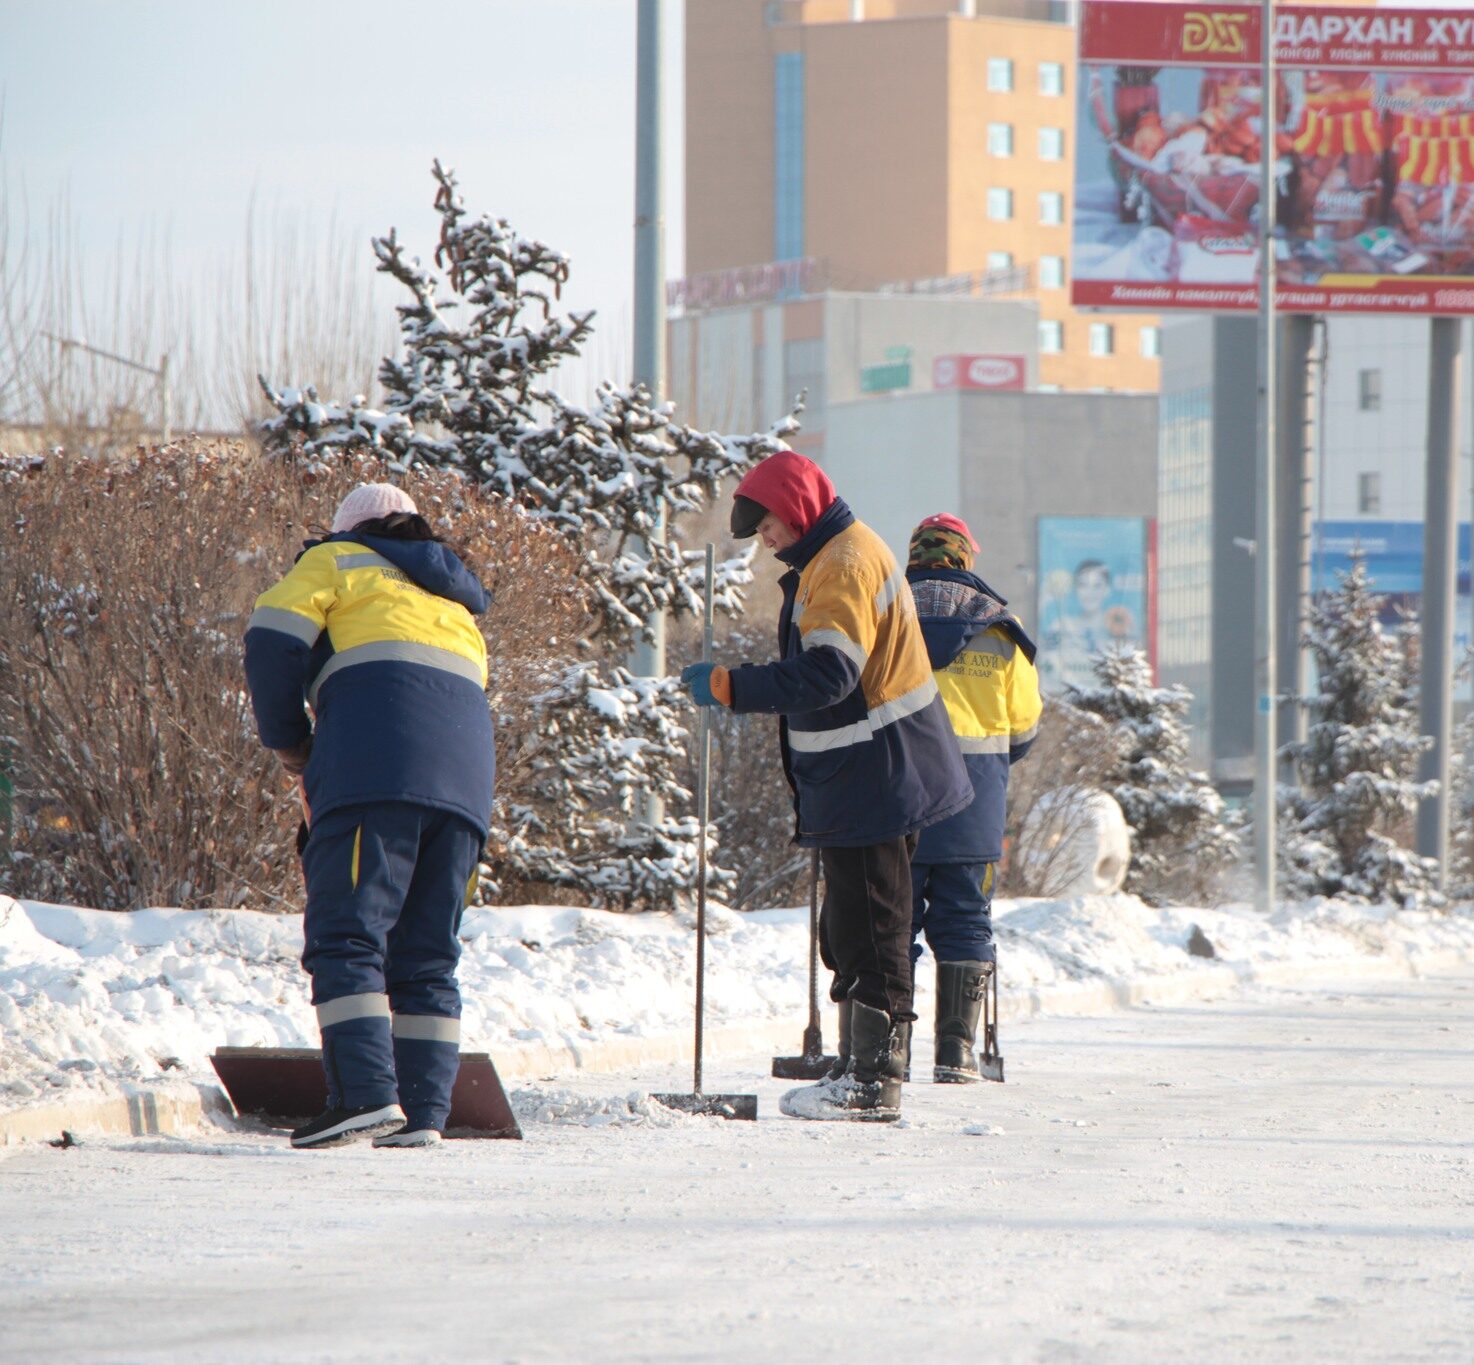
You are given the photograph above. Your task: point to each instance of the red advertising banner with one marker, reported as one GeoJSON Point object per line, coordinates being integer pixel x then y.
{"type": "Point", "coordinates": [979, 372]}
{"type": "Point", "coordinates": [1374, 138]}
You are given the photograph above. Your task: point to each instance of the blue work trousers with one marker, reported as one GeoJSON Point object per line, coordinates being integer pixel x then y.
{"type": "Point", "coordinates": [386, 887]}
{"type": "Point", "coordinates": [952, 905]}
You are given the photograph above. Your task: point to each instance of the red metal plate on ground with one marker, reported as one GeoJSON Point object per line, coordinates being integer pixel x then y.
{"type": "Point", "coordinates": [287, 1083]}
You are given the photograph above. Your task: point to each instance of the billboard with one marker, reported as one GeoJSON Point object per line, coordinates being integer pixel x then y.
{"type": "Point", "coordinates": [979, 372]}
{"type": "Point", "coordinates": [1095, 595]}
{"type": "Point", "coordinates": [1374, 137]}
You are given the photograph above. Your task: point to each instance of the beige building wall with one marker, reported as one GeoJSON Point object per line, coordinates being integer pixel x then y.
{"type": "Point", "coordinates": [897, 166]}
{"type": "Point", "coordinates": [729, 135]}
{"type": "Point", "coordinates": [972, 169]}
{"type": "Point", "coordinates": [875, 148]}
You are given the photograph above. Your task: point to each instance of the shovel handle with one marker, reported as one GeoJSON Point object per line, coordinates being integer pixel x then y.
{"type": "Point", "coordinates": [814, 943]}
{"type": "Point", "coordinates": [703, 817]}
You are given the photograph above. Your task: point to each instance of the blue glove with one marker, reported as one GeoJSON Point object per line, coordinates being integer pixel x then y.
{"type": "Point", "coordinates": [697, 678]}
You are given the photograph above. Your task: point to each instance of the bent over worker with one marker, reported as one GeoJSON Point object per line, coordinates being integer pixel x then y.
{"type": "Point", "coordinates": [984, 665]}
{"type": "Point", "coordinates": [867, 750]}
{"type": "Point", "coordinates": [373, 629]}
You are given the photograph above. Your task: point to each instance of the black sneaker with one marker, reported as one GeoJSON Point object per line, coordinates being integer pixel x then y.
{"type": "Point", "coordinates": [335, 1126]}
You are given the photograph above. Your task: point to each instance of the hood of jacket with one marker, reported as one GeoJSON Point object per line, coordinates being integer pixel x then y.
{"type": "Point", "coordinates": [792, 487]}
{"type": "Point", "coordinates": [432, 566]}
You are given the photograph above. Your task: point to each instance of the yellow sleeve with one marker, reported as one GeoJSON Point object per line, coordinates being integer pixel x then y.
{"type": "Point", "coordinates": [299, 604]}
{"type": "Point", "coordinates": [1025, 705]}
{"type": "Point", "coordinates": [840, 612]}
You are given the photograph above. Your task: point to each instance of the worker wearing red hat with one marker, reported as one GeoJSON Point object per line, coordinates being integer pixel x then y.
{"type": "Point", "coordinates": [867, 749]}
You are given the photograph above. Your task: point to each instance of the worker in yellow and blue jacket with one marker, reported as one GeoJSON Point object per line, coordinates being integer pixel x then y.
{"type": "Point", "coordinates": [368, 677]}
{"type": "Point", "coordinates": [865, 744]}
{"type": "Point", "coordinates": [984, 666]}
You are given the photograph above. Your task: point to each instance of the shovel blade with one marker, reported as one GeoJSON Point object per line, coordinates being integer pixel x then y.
{"type": "Point", "coordinates": [712, 1106]}
{"type": "Point", "coordinates": [803, 1068]}
{"type": "Point", "coordinates": [990, 1068]}
{"type": "Point", "coordinates": [287, 1084]}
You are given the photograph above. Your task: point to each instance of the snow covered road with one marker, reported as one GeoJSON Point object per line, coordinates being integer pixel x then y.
{"type": "Point", "coordinates": [1288, 1175]}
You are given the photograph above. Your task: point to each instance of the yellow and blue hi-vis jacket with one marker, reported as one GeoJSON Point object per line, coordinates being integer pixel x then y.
{"type": "Point", "coordinates": [375, 634]}
{"type": "Point", "coordinates": [984, 666]}
{"type": "Point", "coordinates": [865, 739]}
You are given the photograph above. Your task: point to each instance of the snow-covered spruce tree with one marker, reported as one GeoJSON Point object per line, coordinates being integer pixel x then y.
{"type": "Point", "coordinates": [1358, 762]}
{"type": "Point", "coordinates": [1182, 838]}
{"type": "Point", "coordinates": [471, 391]}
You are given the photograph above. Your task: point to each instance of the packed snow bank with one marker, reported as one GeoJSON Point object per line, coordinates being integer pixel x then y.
{"type": "Point", "coordinates": [90, 999]}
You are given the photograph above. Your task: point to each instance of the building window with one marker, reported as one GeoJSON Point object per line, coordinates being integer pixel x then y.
{"type": "Point", "coordinates": [1051, 144]}
{"type": "Point", "coordinates": [1051, 78]}
{"type": "Point", "coordinates": [1369, 390]}
{"type": "Point", "coordinates": [1151, 342]}
{"type": "Point", "coordinates": [1051, 208]}
{"type": "Point", "coordinates": [788, 156]}
{"type": "Point", "coordinates": [1051, 338]}
{"type": "Point", "coordinates": [1369, 492]}
{"type": "Point", "coordinates": [1000, 204]}
{"type": "Point", "coordinates": [1051, 272]}
{"type": "Point", "coordinates": [1000, 260]}
{"type": "Point", "coordinates": [1000, 75]}
{"type": "Point", "coordinates": [1000, 139]}
{"type": "Point", "coordinates": [1102, 338]}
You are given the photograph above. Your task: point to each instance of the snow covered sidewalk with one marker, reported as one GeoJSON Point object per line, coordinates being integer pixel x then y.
{"type": "Point", "coordinates": [94, 1004]}
{"type": "Point", "coordinates": [1283, 1176]}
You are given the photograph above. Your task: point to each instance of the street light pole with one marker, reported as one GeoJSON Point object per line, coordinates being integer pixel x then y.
{"type": "Point", "coordinates": [160, 373]}
{"type": "Point", "coordinates": [1265, 673]}
{"type": "Point", "coordinates": [649, 339]}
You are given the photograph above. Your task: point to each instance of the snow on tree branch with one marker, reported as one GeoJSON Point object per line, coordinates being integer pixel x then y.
{"type": "Point", "coordinates": [471, 391]}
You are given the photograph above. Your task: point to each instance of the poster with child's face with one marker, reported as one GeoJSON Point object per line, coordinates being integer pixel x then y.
{"type": "Point", "coordinates": [1372, 121]}
{"type": "Point", "coordinates": [1092, 595]}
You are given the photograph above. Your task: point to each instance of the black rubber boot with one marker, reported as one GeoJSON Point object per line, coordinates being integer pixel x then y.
{"type": "Point", "coordinates": [960, 990]}
{"type": "Point", "coordinates": [870, 1091]}
{"type": "Point", "coordinates": [842, 1058]}
{"type": "Point", "coordinates": [879, 1055]}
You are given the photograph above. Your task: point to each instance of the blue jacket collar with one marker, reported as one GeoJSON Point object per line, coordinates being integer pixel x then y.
{"type": "Point", "coordinates": [432, 566]}
{"type": "Point", "coordinates": [835, 518]}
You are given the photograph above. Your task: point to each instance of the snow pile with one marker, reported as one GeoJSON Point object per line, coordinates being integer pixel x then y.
{"type": "Point", "coordinates": [89, 999]}
{"type": "Point", "coordinates": [635, 1110]}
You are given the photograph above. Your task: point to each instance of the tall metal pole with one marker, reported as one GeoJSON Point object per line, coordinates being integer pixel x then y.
{"type": "Point", "coordinates": [649, 655]}
{"type": "Point", "coordinates": [1294, 434]}
{"type": "Point", "coordinates": [1440, 572]}
{"type": "Point", "coordinates": [1265, 680]}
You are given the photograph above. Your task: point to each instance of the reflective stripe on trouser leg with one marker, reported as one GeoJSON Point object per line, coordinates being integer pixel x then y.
{"type": "Point", "coordinates": [357, 1051]}
{"type": "Point", "coordinates": [427, 1058]}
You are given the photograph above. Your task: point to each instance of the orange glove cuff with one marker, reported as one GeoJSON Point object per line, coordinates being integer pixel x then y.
{"type": "Point", "coordinates": [721, 685]}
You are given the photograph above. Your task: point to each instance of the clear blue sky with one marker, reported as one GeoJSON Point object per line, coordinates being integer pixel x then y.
{"type": "Point", "coordinates": [171, 114]}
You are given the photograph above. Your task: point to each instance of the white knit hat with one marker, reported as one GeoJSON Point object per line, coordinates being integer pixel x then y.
{"type": "Point", "coordinates": [370, 500]}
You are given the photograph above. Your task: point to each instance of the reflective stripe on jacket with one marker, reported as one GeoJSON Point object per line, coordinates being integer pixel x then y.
{"type": "Point", "coordinates": [985, 672]}
{"type": "Point", "coordinates": [866, 743]}
{"type": "Point", "coordinates": [377, 636]}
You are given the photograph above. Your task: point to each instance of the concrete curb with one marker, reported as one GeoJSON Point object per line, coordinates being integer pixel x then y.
{"type": "Point", "coordinates": [137, 1111]}
{"type": "Point", "coordinates": [174, 1107]}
